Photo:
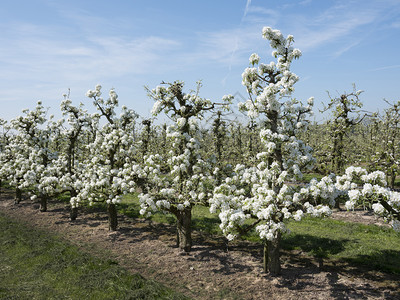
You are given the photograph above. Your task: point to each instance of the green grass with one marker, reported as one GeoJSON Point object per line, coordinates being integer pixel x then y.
{"type": "Point", "coordinates": [35, 265]}
{"type": "Point", "coordinates": [397, 182]}
{"type": "Point", "coordinates": [363, 245]}
{"type": "Point", "coordinates": [308, 176]}
{"type": "Point", "coordinates": [368, 245]}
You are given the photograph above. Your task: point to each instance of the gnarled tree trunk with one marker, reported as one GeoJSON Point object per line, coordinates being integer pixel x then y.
{"type": "Point", "coordinates": [112, 217]}
{"type": "Point", "coordinates": [184, 227]}
{"type": "Point", "coordinates": [392, 178]}
{"type": "Point", "coordinates": [18, 195]}
{"type": "Point", "coordinates": [74, 213]}
{"type": "Point", "coordinates": [43, 203]}
{"type": "Point", "coordinates": [271, 256]}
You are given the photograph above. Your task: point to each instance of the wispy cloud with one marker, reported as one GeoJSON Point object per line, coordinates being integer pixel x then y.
{"type": "Point", "coordinates": [346, 48]}
{"type": "Point", "coordinates": [324, 30]}
{"type": "Point", "coordinates": [44, 50]}
{"type": "Point", "coordinates": [242, 39]}
{"type": "Point", "coordinates": [386, 68]}
{"type": "Point", "coordinates": [103, 48]}
{"type": "Point", "coordinates": [41, 63]}
{"type": "Point", "coordinates": [335, 25]}
{"type": "Point", "coordinates": [395, 25]}
{"type": "Point", "coordinates": [343, 25]}
{"type": "Point", "coordinates": [227, 46]}
{"type": "Point", "coordinates": [305, 2]}
{"type": "Point", "coordinates": [31, 50]}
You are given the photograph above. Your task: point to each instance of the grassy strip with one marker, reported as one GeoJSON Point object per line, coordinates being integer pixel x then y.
{"type": "Point", "coordinates": [36, 265]}
{"type": "Point", "coordinates": [365, 245]}
{"type": "Point", "coordinates": [371, 246]}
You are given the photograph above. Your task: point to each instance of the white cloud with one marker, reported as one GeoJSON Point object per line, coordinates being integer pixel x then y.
{"type": "Point", "coordinates": [343, 25]}
{"type": "Point", "coordinates": [305, 2]}
{"type": "Point", "coordinates": [232, 46]}
{"type": "Point", "coordinates": [220, 45]}
{"type": "Point", "coordinates": [395, 25]}
{"type": "Point", "coordinates": [262, 10]}
{"type": "Point", "coordinates": [318, 33]}
{"type": "Point", "coordinates": [35, 51]}
{"type": "Point", "coordinates": [346, 48]}
{"type": "Point", "coordinates": [261, 16]}
{"type": "Point", "coordinates": [386, 68]}
{"type": "Point", "coordinates": [105, 49]}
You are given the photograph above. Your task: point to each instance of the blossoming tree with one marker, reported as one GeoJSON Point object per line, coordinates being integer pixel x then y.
{"type": "Point", "coordinates": [4, 141]}
{"type": "Point", "coordinates": [33, 155]}
{"type": "Point", "coordinates": [178, 181]}
{"type": "Point", "coordinates": [265, 195]}
{"type": "Point", "coordinates": [346, 115]}
{"type": "Point", "coordinates": [388, 154]}
{"type": "Point", "coordinates": [71, 160]}
{"type": "Point", "coordinates": [108, 168]}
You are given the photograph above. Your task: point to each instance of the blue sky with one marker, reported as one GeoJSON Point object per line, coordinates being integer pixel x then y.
{"type": "Point", "coordinates": [49, 46]}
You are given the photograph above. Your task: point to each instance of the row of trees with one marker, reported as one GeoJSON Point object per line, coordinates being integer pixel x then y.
{"type": "Point", "coordinates": [252, 177]}
{"type": "Point", "coordinates": [353, 136]}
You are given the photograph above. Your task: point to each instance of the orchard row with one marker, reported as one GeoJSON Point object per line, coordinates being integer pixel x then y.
{"type": "Point", "coordinates": [252, 176]}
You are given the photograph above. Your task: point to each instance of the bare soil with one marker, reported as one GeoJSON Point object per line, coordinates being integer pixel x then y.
{"type": "Point", "coordinates": [212, 270]}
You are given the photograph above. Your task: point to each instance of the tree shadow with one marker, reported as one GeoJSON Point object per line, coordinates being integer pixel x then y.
{"type": "Point", "coordinates": [318, 247]}
{"type": "Point", "coordinates": [385, 261]}
{"type": "Point", "coordinates": [306, 256]}
{"type": "Point", "coordinates": [206, 247]}
{"type": "Point", "coordinates": [211, 247]}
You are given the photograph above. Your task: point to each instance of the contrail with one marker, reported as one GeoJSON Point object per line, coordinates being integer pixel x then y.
{"type": "Point", "coordinates": [246, 10]}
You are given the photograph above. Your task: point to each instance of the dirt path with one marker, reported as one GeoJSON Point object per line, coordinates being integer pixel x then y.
{"type": "Point", "coordinates": [210, 271]}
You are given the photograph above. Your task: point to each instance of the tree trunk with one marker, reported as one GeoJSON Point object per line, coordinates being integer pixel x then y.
{"type": "Point", "coordinates": [43, 203]}
{"type": "Point", "coordinates": [112, 217]}
{"type": "Point", "coordinates": [338, 153]}
{"type": "Point", "coordinates": [73, 213]}
{"type": "Point", "coordinates": [184, 228]}
{"type": "Point", "coordinates": [265, 257]}
{"type": "Point", "coordinates": [392, 179]}
{"type": "Point", "coordinates": [18, 196]}
{"type": "Point", "coordinates": [338, 159]}
{"type": "Point", "coordinates": [271, 256]}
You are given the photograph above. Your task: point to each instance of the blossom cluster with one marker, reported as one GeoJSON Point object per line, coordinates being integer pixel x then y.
{"type": "Point", "coordinates": [371, 189]}
{"type": "Point", "coordinates": [270, 82]}
{"type": "Point", "coordinates": [268, 206]}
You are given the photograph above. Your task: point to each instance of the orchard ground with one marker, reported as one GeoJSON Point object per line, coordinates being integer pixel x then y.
{"type": "Point", "coordinates": [213, 269]}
